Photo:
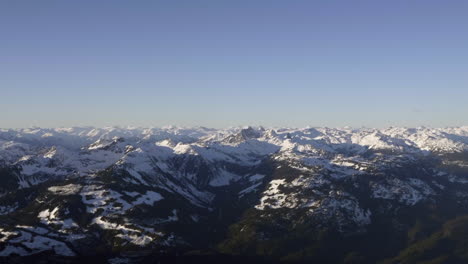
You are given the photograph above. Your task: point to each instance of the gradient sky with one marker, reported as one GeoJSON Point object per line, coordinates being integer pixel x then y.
{"type": "Point", "coordinates": [227, 63]}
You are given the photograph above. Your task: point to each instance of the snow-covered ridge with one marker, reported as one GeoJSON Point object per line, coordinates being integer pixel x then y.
{"type": "Point", "coordinates": [120, 175]}
{"type": "Point", "coordinates": [81, 150]}
{"type": "Point", "coordinates": [394, 137]}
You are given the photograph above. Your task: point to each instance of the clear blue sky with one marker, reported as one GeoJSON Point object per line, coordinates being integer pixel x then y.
{"type": "Point", "coordinates": [222, 63]}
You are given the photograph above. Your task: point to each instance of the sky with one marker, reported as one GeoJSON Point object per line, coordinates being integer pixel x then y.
{"type": "Point", "coordinates": [230, 63]}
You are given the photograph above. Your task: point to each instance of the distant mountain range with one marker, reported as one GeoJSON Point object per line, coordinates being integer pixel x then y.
{"type": "Point", "coordinates": [329, 195]}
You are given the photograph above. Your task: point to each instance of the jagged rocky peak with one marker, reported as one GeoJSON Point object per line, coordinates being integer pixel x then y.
{"type": "Point", "coordinates": [106, 144]}
{"type": "Point", "coordinates": [246, 133]}
{"type": "Point", "coordinates": [251, 133]}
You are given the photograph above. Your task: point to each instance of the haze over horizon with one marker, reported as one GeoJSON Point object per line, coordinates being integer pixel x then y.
{"type": "Point", "coordinates": [220, 63]}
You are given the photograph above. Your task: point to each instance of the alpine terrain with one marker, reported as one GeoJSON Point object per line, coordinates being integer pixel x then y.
{"type": "Point", "coordinates": [315, 195]}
